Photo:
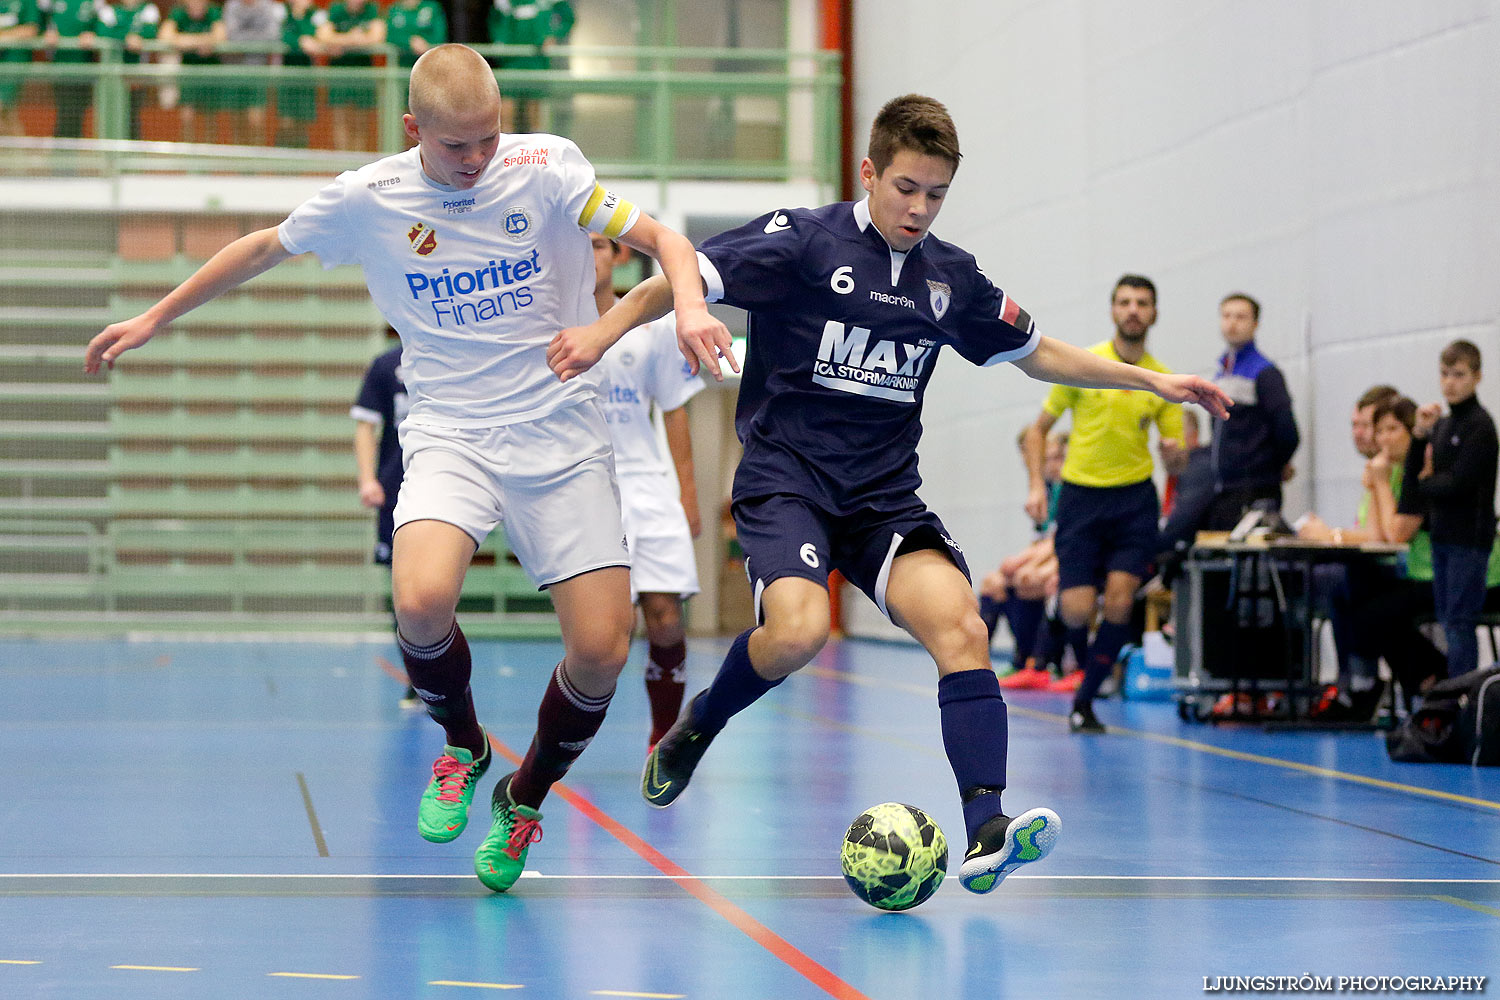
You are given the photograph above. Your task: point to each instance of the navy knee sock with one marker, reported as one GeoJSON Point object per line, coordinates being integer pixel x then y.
{"type": "Point", "coordinates": [975, 736]}
{"type": "Point", "coordinates": [440, 674]}
{"type": "Point", "coordinates": [1077, 639]}
{"type": "Point", "coordinates": [1023, 617]}
{"type": "Point", "coordinates": [989, 613]}
{"type": "Point", "coordinates": [1101, 659]}
{"type": "Point", "coordinates": [736, 687]}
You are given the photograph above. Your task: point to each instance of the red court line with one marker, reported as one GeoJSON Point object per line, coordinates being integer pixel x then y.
{"type": "Point", "coordinates": [748, 925]}
{"type": "Point", "coordinates": [393, 671]}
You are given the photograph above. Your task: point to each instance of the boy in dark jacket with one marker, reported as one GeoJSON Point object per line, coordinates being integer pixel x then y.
{"type": "Point", "coordinates": [1450, 477]}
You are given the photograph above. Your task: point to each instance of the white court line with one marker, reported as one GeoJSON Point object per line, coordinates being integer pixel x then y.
{"type": "Point", "coordinates": [772, 878]}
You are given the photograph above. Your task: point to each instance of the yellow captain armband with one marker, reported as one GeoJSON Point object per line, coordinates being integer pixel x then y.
{"type": "Point", "coordinates": [607, 214]}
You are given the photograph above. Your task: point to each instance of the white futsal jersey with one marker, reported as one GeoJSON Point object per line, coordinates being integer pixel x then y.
{"type": "Point", "coordinates": [643, 367]}
{"type": "Point", "coordinates": [477, 282]}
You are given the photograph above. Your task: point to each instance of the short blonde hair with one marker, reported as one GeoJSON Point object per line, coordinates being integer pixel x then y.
{"type": "Point", "coordinates": [449, 78]}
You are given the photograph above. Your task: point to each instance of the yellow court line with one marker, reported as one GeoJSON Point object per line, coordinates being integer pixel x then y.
{"type": "Point", "coordinates": [648, 996]}
{"type": "Point", "coordinates": [1253, 758]}
{"type": "Point", "coordinates": [18, 961]}
{"type": "Point", "coordinates": [477, 986]}
{"type": "Point", "coordinates": [1468, 905]}
{"type": "Point", "coordinates": [308, 975]}
{"type": "Point", "coordinates": [156, 968]}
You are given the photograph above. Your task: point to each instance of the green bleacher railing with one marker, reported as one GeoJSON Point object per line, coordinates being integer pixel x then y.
{"type": "Point", "coordinates": [657, 79]}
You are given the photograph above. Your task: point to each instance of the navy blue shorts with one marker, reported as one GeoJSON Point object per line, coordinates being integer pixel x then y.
{"type": "Point", "coordinates": [1104, 529]}
{"type": "Point", "coordinates": [785, 535]}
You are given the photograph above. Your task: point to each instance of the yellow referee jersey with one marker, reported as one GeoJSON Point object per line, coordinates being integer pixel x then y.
{"type": "Point", "coordinates": [1109, 444]}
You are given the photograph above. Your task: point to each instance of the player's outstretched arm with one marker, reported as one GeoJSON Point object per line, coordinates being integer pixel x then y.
{"type": "Point", "coordinates": [1056, 361]}
{"type": "Point", "coordinates": [578, 348]}
{"type": "Point", "coordinates": [702, 338]}
{"type": "Point", "coordinates": [235, 264]}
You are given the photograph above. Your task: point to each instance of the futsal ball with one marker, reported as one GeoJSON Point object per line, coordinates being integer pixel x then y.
{"type": "Point", "coordinates": [894, 856]}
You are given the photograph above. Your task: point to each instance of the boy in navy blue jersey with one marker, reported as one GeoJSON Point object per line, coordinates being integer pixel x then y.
{"type": "Point", "coordinates": [848, 306]}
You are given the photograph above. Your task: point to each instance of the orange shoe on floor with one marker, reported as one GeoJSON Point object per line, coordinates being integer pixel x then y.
{"type": "Point", "coordinates": [1067, 682]}
{"type": "Point", "coordinates": [1027, 679]}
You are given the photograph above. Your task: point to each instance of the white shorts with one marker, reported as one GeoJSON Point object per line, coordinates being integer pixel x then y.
{"type": "Point", "coordinates": [661, 544]}
{"type": "Point", "coordinates": [551, 481]}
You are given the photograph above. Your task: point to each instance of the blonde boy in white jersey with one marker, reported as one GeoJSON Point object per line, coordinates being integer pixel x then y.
{"type": "Point", "coordinates": [475, 247]}
{"type": "Point", "coordinates": [644, 369]}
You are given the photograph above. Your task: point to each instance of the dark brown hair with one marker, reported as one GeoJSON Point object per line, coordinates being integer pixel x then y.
{"type": "Point", "coordinates": [913, 122]}
{"type": "Point", "coordinates": [1400, 407]}
{"type": "Point", "coordinates": [1134, 281]}
{"type": "Point", "coordinates": [1461, 351]}
{"type": "Point", "coordinates": [1375, 395]}
{"type": "Point", "coordinates": [1242, 297]}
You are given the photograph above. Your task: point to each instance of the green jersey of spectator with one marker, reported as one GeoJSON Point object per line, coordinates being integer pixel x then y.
{"type": "Point", "coordinates": [19, 20]}
{"type": "Point", "coordinates": [529, 22]}
{"type": "Point", "coordinates": [121, 22]}
{"type": "Point", "coordinates": [15, 17]}
{"type": "Point", "coordinates": [69, 19]}
{"type": "Point", "coordinates": [297, 26]}
{"type": "Point", "coordinates": [409, 19]}
{"type": "Point", "coordinates": [196, 18]}
{"type": "Point", "coordinates": [350, 15]}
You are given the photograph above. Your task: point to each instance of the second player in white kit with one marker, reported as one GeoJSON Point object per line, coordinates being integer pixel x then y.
{"type": "Point", "coordinates": [659, 501]}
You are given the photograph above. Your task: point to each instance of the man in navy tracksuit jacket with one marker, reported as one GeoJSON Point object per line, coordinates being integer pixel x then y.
{"type": "Point", "coordinates": [1251, 449]}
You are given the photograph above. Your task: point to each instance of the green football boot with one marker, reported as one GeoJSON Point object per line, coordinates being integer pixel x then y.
{"type": "Point", "coordinates": [502, 856]}
{"type": "Point", "coordinates": [445, 803]}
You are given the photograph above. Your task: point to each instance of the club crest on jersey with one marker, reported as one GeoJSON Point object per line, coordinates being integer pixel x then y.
{"type": "Point", "coordinates": [517, 223]}
{"type": "Point", "coordinates": [423, 239]}
{"type": "Point", "coordinates": [939, 295]}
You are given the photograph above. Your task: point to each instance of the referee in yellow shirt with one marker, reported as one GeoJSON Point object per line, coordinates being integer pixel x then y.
{"type": "Point", "coordinates": [1108, 508]}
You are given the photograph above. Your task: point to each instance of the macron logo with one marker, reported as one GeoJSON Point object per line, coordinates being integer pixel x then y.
{"type": "Point", "coordinates": [779, 224]}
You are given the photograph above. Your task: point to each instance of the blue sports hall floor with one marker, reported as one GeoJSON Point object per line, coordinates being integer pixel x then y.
{"type": "Point", "coordinates": [237, 819]}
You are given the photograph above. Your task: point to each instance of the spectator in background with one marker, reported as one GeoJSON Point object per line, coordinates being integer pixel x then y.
{"type": "Point", "coordinates": [1362, 431]}
{"type": "Point", "coordinates": [380, 407]}
{"type": "Point", "coordinates": [195, 29]}
{"type": "Point", "coordinates": [1108, 509]}
{"type": "Point", "coordinates": [1450, 477]}
{"type": "Point", "coordinates": [71, 23]}
{"type": "Point", "coordinates": [1331, 587]}
{"type": "Point", "coordinates": [1384, 606]}
{"type": "Point", "coordinates": [128, 24]}
{"type": "Point", "coordinates": [297, 98]}
{"type": "Point", "coordinates": [413, 27]}
{"type": "Point", "coordinates": [20, 21]}
{"type": "Point", "coordinates": [1252, 449]}
{"type": "Point", "coordinates": [250, 21]}
{"type": "Point", "coordinates": [540, 24]}
{"type": "Point", "coordinates": [352, 28]}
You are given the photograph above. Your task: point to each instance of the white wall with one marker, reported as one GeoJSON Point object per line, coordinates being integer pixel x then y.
{"type": "Point", "coordinates": [1337, 160]}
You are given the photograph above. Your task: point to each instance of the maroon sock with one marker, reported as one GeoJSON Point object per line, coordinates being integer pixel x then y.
{"type": "Point", "coordinates": [565, 723]}
{"type": "Point", "coordinates": [440, 673]}
{"type": "Point", "coordinates": [665, 683]}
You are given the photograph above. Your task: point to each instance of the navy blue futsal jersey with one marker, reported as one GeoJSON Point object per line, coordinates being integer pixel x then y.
{"type": "Point", "coordinates": [844, 334]}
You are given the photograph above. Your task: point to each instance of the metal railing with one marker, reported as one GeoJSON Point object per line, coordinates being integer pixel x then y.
{"type": "Point", "coordinates": [642, 112]}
